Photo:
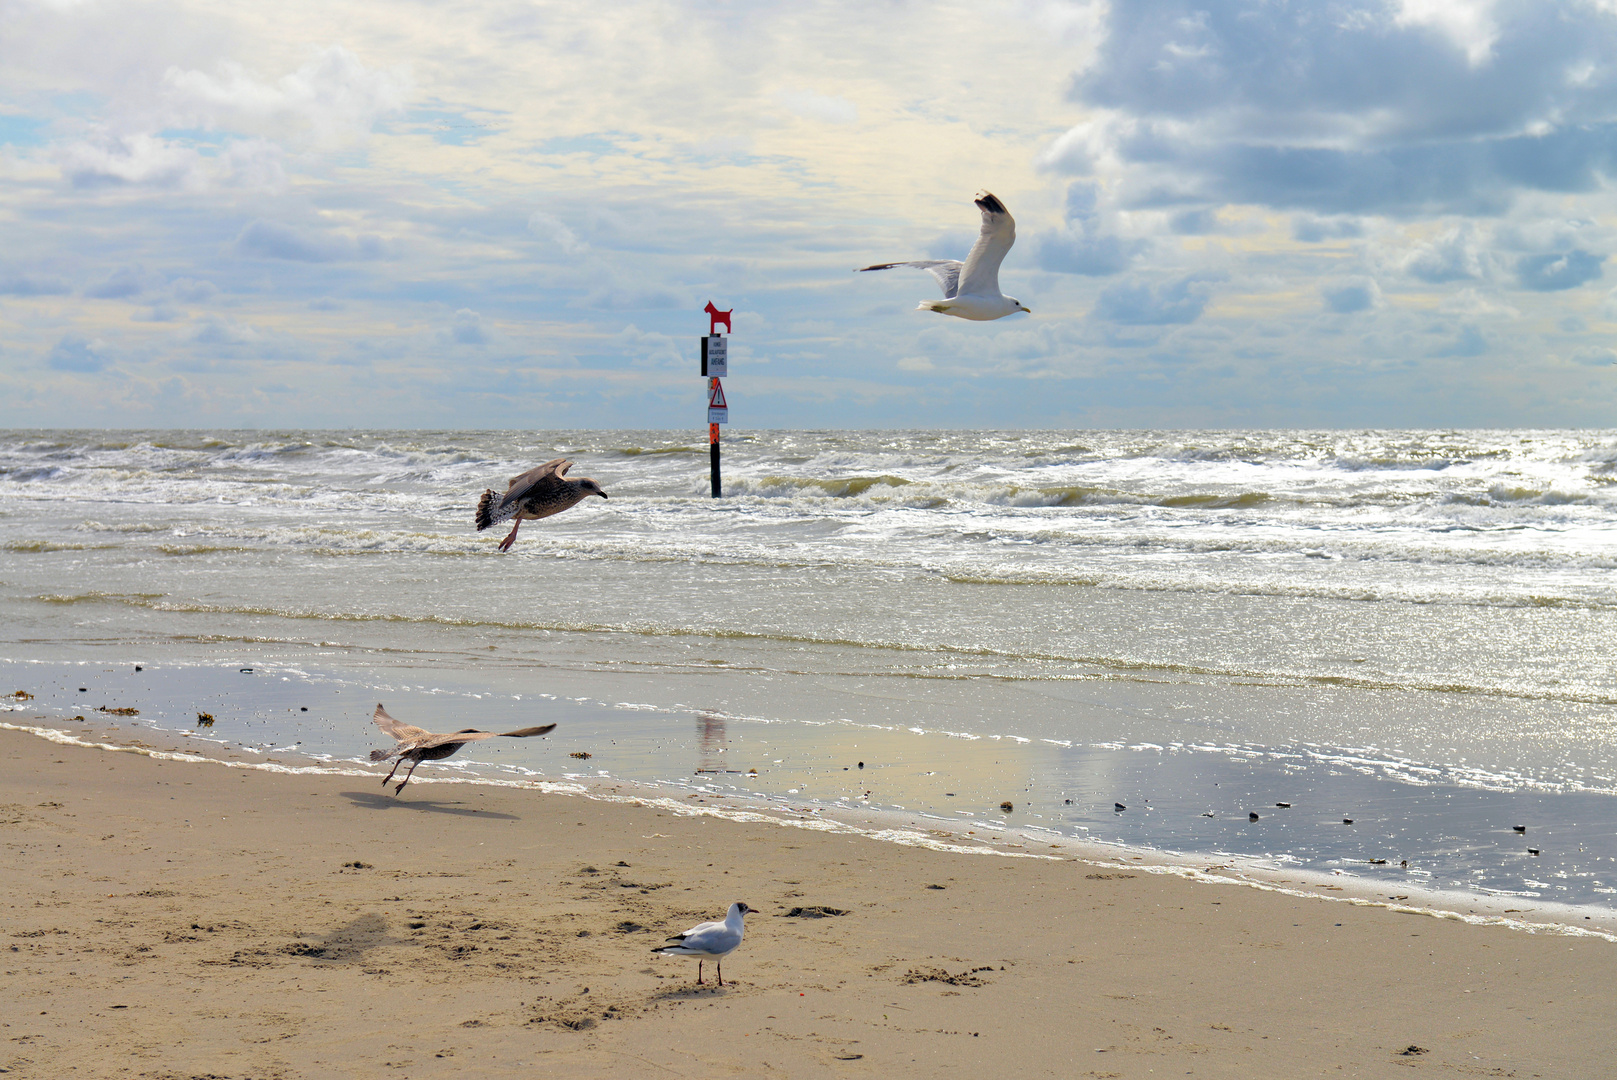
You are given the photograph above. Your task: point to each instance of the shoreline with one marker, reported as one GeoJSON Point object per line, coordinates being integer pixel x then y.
{"type": "Point", "coordinates": [900, 827]}
{"type": "Point", "coordinates": [1424, 832]}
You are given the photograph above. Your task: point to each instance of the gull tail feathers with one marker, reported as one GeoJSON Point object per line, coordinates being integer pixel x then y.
{"type": "Point", "coordinates": [490, 512]}
{"type": "Point", "coordinates": [933, 305]}
{"type": "Point", "coordinates": [382, 755]}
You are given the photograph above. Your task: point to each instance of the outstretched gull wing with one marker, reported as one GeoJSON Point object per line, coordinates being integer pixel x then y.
{"type": "Point", "coordinates": [981, 274]}
{"type": "Point", "coordinates": [530, 483]}
{"type": "Point", "coordinates": [551, 471]}
{"type": "Point", "coordinates": [473, 736]}
{"type": "Point", "coordinates": [400, 732]}
{"type": "Point", "coordinates": [947, 271]}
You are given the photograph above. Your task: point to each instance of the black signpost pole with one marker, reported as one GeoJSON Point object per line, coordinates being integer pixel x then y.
{"type": "Point", "coordinates": [713, 459]}
{"type": "Point", "coordinates": [716, 363]}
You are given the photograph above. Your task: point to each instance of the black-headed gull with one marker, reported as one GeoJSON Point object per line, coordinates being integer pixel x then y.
{"type": "Point", "coordinates": [417, 745]}
{"type": "Point", "coordinates": [971, 288]}
{"type": "Point", "coordinates": [710, 939]}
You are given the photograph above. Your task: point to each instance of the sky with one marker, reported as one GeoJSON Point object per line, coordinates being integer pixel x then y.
{"type": "Point", "coordinates": [496, 214]}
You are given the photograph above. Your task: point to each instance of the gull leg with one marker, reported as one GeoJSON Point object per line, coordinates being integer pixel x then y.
{"type": "Point", "coordinates": [699, 973]}
{"type": "Point", "coordinates": [720, 965]}
{"type": "Point", "coordinates": [391, 771]}
{"type": "Point", "coordinates": [511, 538]}
{"type": "Point", "coordinates": [406, 776]}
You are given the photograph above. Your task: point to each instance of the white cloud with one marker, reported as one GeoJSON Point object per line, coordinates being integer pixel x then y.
{"type": "Point", "coordinates": [80, 354]}
{"type": "Point", "coordinates": [272, 240]}
{"type": "Point", "coordinates": [1473, 303]}
{"type": "Point", "coordinates": [1349, 296]}
{"type": "Point", "coordinates": [467, 328]}
{"type": "Point", "coordinates": [104, 158]}
{"type": "Point", "coordinates": [1595, 356]}
{"type": "Point", "coordinates": [216, 331]}
{"type": "Point", "coordinates": [144, 159]}
{"type": "Point", "coordinates": [1141, 303]}
{"type": "Point", "coordinates": [1455, 256]}
{"type": "Point", "coordinates": [655, 350]}
{"type": "Point", "coordinates": [333, 97]}
{"type": "Point", "coordinates": [1559, 270]}
{"type": "Point", "coordinates": [824, 107]}
{"type": "Point", "coordinates": [553, 229]}
{"type": "Point", "coordinates": [1312, 229]}
{"type": "Point", "coordinates": [1469, 24]}
{"type": "Point", "coordinates": [193, 291]}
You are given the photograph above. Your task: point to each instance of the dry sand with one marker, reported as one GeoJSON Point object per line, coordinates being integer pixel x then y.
{"type": "Point", "coordinates": [174, 920]}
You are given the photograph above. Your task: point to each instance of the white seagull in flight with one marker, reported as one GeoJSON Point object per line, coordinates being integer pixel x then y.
{"type": "Point", "coordinates": [971, 288]}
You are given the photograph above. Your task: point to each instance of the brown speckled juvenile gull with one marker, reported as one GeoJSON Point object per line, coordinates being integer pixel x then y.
{"type": "Point", "coordinates": [417, 745]}
{"type": "Point", "coordinates": [536, 493]}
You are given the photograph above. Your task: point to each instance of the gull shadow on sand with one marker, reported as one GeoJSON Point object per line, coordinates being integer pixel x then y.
{"type": "Point", "coordinates": [348, 944]}
{"type": "Point", "coordinates": [692, 992]}
{"type": "Point", "coordinates": [370, 800]}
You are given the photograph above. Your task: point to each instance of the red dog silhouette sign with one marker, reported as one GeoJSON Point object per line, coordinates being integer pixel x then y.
{"type": "Point", "coordinates": [715, 317]}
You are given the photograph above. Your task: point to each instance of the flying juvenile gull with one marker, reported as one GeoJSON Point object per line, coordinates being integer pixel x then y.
{"type": "Point", "coordinates": [416, 745]}
{"type": "Point", "coordinates": [537, 493]}
{"type": "Point", "coordinates": [971, 288]}
{"type": "Point", "coordinates": [715, 939]}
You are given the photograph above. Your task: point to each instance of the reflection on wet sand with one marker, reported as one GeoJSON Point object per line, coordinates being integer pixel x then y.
{"type": "Point", "coordinates": [711, 744]}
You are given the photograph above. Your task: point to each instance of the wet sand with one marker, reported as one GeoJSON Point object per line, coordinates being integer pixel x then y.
{"type": "Point", "coordinates": [177, 920]}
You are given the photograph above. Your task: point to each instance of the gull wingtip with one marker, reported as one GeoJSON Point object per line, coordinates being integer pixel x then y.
{"type": "Point", "coordinates": [988, 201]}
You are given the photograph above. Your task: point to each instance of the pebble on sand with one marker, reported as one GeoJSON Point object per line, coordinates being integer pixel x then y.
{"type": "Point", "coordinates": [1532, 851]}
{"type": "Point", "coordinates": [1283, 805]}
{"type": "Point", "coordinates": [1252, 815]}
{"type": "Point", "coordinates": [1518, 828]}
{"type": "Point", "coordinates": [1007, 806]}
{"type": "Point", "coordinates": [1347, 821]}
{"type": "Point", "coordinates": [1118, 806]}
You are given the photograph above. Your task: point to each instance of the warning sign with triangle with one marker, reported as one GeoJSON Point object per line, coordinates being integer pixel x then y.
{"type": "Point", "coordinates": [718, 412]}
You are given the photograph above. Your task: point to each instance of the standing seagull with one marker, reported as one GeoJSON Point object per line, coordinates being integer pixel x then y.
{"type": "Point", "coordinates": [715, 939]}
{"type": "Point", "coordinates": [536, 493]}
{"type": "Point", "coordinates": [416, 745]}
{"type": "Point", "coordinates": [971, 288]}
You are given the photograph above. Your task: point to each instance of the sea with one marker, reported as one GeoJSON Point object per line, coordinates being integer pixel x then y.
{"type": "Point", "coordinates": [1379, 657]}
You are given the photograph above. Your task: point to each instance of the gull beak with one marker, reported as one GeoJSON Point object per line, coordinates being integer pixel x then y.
{"type": "Point", "coordinates": [1028, 310]}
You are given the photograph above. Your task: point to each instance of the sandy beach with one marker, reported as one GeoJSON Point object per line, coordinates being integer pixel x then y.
{"type": "Point", "coordinates": [180, 920]}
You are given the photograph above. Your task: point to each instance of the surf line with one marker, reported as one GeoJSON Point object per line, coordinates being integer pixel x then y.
{"type": "Point", "coordinates": [809, 820]}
